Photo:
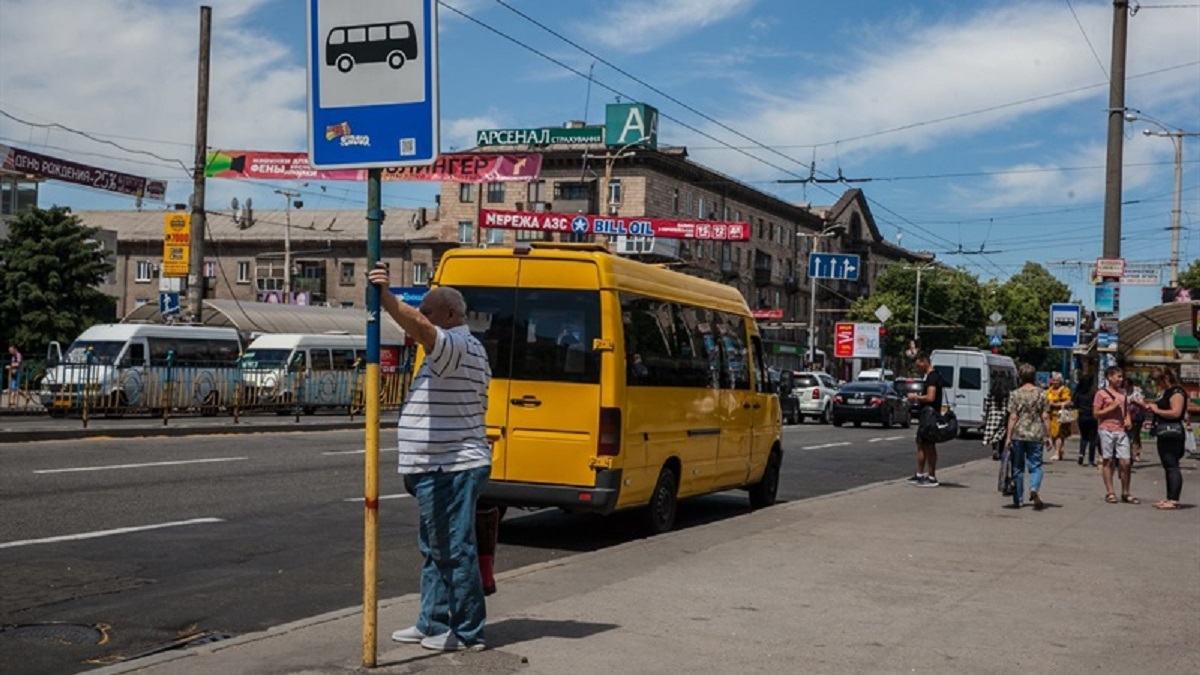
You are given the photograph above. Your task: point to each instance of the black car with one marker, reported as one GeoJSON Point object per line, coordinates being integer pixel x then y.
{"type": "Point", "coordinates": [910, 385]}
{"type": "Point", "coordinates": [876, 402]}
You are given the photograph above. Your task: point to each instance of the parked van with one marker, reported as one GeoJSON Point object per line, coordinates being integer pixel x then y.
{"type": "Point", "coordinates": [616, 384]}
{"type": "Point", "coordinates": [125, 367]}
{"type": "Point", "coordinates": [875, 375]}
{"type": "Point", "coordinates": [969, 373]}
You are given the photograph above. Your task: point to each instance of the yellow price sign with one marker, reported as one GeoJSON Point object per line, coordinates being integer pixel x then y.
{"type": "Point", "coordinates": [177, 237]}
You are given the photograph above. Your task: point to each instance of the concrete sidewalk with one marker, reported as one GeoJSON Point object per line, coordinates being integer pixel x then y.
{"type": "Point", "coordinates": [883, 579]}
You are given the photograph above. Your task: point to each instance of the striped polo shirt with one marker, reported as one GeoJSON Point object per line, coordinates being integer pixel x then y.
{"type": "Point", "coordinates": [442, 422]}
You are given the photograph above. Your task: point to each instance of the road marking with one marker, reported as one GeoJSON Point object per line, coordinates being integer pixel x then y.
{"type": "Point", "coordinates": [143, 466]}
{"type": "Point", "coordinates": [827, 445]}
{"type": "Point", "coordinates": [360, 500]}
{"type": "Point", "coordinates": [357, 452]}
{"type": "Point", "coordinates": [109, 533]}
{"type": "Point", "coordinates": [886, 438]}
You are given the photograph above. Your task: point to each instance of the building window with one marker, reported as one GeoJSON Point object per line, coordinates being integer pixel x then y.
{"type": "Point", "coordinates": [269, 275]}
{"type": "Point", "coordinates": [537, 192]}
{"type": "Point", "coordinates": [700, 213]}
{"type": "Point", "coordinates": [145, 272]}
{"type": "Point", "coordinates": [466, 193]}
{"type": "Point", "coordinates": [420, 274]}
{"type": "Point", "coordinates": [495, 236]}
{"type": "Point", "coordinates": [700, 250]}
{"type": "Point", "coordinates": [530, 235]}
{"type": "Point", "coordinates": [675, 201]}
{"type": "Point", "coordinates": [691, 205]}
{"type": "Point", "coordinates": [725, 213]}
{"type": "Point", "coordinates": [495, 193]}
{"type": "Point", "coordinates": [572, 192]}
{"type": "Point", "coordinates": [346, 276]}
{"type": "Point", "coordinates": [737, 216]}
{"type": "Point", "coordinates": [243, 272]}
{"type": "Point", "coordinates": [347, 304]}
{"type": "Point", "coordinates": [614, 191]}
{"type": "Point", "coordinates": [210, 270]}
{"type": "Point", "coordinates": [464, 231]}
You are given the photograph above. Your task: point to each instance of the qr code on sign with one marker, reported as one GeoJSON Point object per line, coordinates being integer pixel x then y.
{"type": "Point", "coordinates": [408, 146]}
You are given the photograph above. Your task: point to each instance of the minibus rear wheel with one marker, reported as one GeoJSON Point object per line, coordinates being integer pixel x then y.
{"type": "Point", "coordinates": [660, 513]}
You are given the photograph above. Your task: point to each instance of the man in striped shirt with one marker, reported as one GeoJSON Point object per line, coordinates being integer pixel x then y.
{"type": "Point", "coordinates": [445, 459]}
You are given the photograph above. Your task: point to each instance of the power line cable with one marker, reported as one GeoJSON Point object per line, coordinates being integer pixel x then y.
{"type": "Point", "coordinates": [1087, 39]}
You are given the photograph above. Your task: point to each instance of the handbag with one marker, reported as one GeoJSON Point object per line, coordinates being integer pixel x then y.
{"type": "Point", "coordinates": [936, 426]}
{"type": "Point", "coordinates": [1167, 429]}
{"type": "Point", "coordinates": [1067, 416]}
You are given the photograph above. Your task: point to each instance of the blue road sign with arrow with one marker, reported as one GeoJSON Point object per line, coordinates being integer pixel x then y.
{"type": "Point", "coordinates": [833, 266]}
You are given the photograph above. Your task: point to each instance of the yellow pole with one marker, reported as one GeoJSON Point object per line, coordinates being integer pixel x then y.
{"type": "Point", "coordinates": [371, 463]}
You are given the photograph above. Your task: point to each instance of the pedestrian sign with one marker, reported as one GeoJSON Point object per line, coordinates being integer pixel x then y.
{"type": "Point", "coordinates": [833, 266]}
{"type": "Point", "coordinates": [372, 83]}
{"type": "Point", "coordinates": [995, 341]}
{"type": "Point", "coordinates": [168, 303]}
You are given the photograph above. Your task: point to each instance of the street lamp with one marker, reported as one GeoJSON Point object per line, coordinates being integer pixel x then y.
{"type": "Point", "coordinates": [289, 195]}
{"type": "Point", "coordinates": [609, 158]}
{"type": "Point", "coordinates": [828, 231]}
{"type": "Point", "coordinates": [1176, 135]}
{"type": "Point", "coordinates": [917, 302]}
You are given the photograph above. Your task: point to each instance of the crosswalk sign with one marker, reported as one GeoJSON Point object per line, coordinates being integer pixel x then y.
{"type": "Point", "coordinates": [994, 341]}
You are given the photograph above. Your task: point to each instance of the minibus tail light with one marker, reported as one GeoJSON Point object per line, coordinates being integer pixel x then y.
{"type": "Point", "coordinates": [609, 443]}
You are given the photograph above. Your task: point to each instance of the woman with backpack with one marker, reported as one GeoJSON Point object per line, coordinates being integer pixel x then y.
{"type": "Point", "coordinates": [1028, 435]}
{"type": "Point", "coordinates": [1088, 426]}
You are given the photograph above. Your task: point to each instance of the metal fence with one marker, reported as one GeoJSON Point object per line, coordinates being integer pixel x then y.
{"type": "Point", "coordinates": [93, 389]}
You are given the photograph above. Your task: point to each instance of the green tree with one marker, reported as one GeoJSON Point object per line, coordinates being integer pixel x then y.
{"type": "Point", "coordinates": [1024, 301]}
{"type": "Point", "coordinates": [50, 268]}
{"type": "Point", "coordinates": [1190, 278]}
{"type": "Point", "coordinates": [952, 311]}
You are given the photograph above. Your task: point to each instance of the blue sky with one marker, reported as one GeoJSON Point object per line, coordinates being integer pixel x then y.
{"type": "Point", "coordinates": [982, 124]}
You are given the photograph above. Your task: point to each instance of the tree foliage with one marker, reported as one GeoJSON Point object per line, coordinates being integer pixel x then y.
{"type": "Point", "coordinates": [50, 270]}
{"type": "Point", "coordinates": [1024, 301]}
{"type": "Point", "coordinates": [1190, 278]}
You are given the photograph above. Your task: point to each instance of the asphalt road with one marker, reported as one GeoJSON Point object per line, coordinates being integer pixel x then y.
{"type": "Point", "coordinates": [251, 531]}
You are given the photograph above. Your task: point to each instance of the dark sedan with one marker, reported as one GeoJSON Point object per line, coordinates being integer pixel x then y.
{"type": "Point", "coordinates": [910, 385]}
{"type": "Point", "coordinates": [875, 402]}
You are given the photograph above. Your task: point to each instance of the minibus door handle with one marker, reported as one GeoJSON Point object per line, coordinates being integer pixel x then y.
{"type": "Point", "coordinates": [526, 401]}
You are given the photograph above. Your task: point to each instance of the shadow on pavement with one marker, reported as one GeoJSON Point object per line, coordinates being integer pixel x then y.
{"type": "Point", "coordinates": [508, 632]}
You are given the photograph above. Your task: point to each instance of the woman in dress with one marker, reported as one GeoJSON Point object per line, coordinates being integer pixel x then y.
{"type": "Point", "coordinates": [1171, 407]}
{"type": "Point", "coordinates": [1028, 433]}
{"type": "Point", "coordinates": [1059, 397]}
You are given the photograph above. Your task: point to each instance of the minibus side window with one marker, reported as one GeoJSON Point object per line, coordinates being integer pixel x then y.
{"type": "Point", "coordinates": [736, 374]}
{"type": "Point", "coordinates": [318, 359]}
{"type": "Point", "coordinates": [692, 361]}
{"type": "Point", "coordinates": [136, 356]}
{"type": "Point", "coordinates": [762, 380]}
{"type": "Point", "coordinates": [970, 378]}
{"type": "Point", "coordinates": [648, 360]}
{"type": "Point", "coordinates": [490, 317]}
{"type": "Point", "coordinates": [343, 359]}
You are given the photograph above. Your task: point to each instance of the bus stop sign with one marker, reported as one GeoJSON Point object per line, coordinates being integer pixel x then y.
{"type": "Point", "coordinates": [372, 83]}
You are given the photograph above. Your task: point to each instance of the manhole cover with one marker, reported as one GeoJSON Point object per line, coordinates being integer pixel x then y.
{"type": "Point", "coordinates": [63, 633]}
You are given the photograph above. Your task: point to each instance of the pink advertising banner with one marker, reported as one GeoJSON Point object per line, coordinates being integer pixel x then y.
{"type": "Point", "coordinates": [458, 168]}
{"type": "Point", "coordinates": [637, 227]}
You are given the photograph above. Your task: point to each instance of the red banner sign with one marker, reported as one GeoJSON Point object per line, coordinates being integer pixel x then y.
{"type": "Point", "coordinates": [843, 341]}
{"type": "Point", "coordinates": [767, 313]}
{"type": "Point", "coordinates": [637, 227]}
{"type": "Point", "coordinates": [52, 168]}
{"type": "Point", "coordinates": [457, 168]}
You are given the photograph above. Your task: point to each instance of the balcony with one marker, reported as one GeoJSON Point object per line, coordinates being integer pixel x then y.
{"type": "Point", "coordinates": [762, 276]}
{"type": "Point", "coordinates": [791, 284]}
{"type": "Point", "coordinates": [572, 206]}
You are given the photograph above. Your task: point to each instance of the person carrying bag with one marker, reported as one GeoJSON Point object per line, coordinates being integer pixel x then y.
{"type": "Point", "coordinates": [1170, 432]}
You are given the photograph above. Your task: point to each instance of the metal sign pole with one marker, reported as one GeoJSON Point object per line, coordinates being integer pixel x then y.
{"type": "Point", "coordinates": [371, 396]}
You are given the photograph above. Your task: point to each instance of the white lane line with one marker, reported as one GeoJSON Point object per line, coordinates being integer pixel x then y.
{"type": "Point", "coordinates": [827, 445]}
{"type": "Point", "coordinates": [109, 533]}
{"type": "Point", "coordinates": [145, 465]}
{"type": "Point", "coordinates": [357, 452]}
{"type": "Point", "coordinates": [894, 438]}
{"type": "Point", "coordinates": [381, 498]}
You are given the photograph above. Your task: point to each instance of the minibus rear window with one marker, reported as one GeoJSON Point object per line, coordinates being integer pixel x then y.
{"type": "Point", "coordinates": [535, 334]}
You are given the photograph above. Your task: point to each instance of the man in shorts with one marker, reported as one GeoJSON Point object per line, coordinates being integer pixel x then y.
{"type": "Point", "coordinates": [1111, 410]}
{"type": "Point", "coordinates": [931, 397]}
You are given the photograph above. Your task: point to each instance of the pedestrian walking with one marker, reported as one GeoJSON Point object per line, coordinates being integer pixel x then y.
{"type": "Point", "coordinates": [15, 361]}
{"type": "Point", "coordinates": [1028, 435]}
{"type": "Point", "coordinates": [931, 397]}
{"type": "Point", "coordinates": [1112, 413]}
{"type": "Point", "coordinates": [1082, 400]}
{"type": "Point", "coordinates": [1170, 413]}
{"type": "Point", "coordinates": [1061, 415]}
{"type": "Point", "coordinates": [995, 416]}
{"type": "Point", "coordinates": [445, 459]}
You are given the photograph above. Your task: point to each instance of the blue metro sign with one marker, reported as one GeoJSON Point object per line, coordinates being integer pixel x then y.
{"type": "Point", "coordinates": [833, 266]}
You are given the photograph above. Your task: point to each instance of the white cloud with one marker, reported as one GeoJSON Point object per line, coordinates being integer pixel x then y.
{"type": "Point", "coordinates": [459, 134]}
{"type": "Point", "coordinates": [137, 80]}
{"type": "Point", "coordinates": [639, 25]}
{"type": "Point", "coordinates": [926, 71]}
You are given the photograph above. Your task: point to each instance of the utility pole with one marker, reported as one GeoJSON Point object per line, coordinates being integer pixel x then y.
{"type": "Point", "coordinates": [1116, 128]}
{"type": "Point", "coordinates": [195, 292]}
{"type": "Point", "coordinates": [1176, 135]}
{"type": "Point", "coordinates": [289, 195]}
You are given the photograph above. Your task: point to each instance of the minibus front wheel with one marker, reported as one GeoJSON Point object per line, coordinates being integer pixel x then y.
{"type": "Point", "coordinates": [660, 516]}
{"type": "Point", "coordinates": [764, 492]}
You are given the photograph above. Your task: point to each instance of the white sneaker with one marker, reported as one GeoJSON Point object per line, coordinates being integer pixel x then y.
{"type": "Point", "coordinates": [411, 635]}
{"type": "Point", "coordinates": [448, 642]}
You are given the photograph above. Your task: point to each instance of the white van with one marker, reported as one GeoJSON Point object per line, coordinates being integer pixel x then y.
{"type": "Point", "coordinates": [118, 367]}
{"type": "Point", "coordinates": [875, 375]}
{"type": "Point", "coordinates": [969, 373]}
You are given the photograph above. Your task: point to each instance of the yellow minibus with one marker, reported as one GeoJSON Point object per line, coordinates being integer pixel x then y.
{"type": "Point", "coordinates": [616, 384]}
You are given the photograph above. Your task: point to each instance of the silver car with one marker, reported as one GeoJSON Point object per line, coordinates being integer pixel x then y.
{"type": "Point", "coordinates": [812, 396]}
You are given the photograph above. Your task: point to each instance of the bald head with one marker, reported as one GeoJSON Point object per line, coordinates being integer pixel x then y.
{"type": "Point", "coordinates": [444, 307]}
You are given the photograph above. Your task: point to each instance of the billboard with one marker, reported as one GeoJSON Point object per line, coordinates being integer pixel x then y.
{"type": "Point", "coordinates": [464, 167]}
{"type": "Point", "coordinates": [52, 168]}
{"type": "Point", "coordinates": [571, 223]}
{"type": "Point", "coordinates": [856, 341]}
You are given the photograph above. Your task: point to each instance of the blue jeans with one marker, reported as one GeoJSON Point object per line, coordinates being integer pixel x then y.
{"type": "Point", "coordinates": [1027, 456]}
{"type": "Point", "coordinates": [451, 589]}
